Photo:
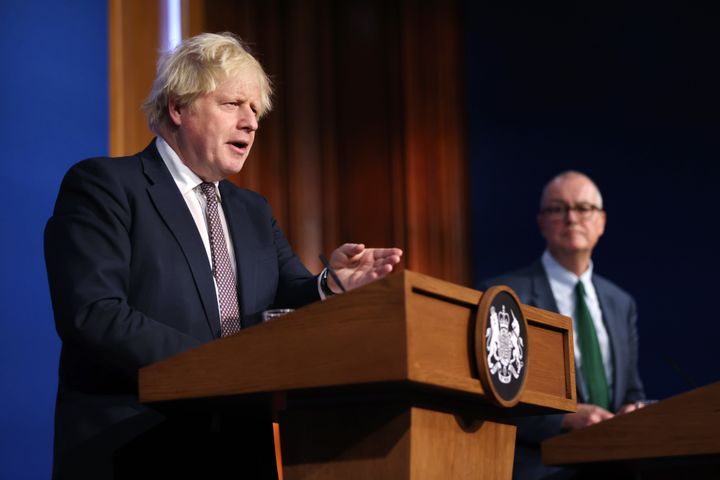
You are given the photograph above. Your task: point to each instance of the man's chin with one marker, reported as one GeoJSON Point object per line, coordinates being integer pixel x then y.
{"type": "Point", "coordinates": [233, 168]}
{"type": "Point", "coordinates": [574, 240]}
{"type": "Point", "coordinates": [575, 248]}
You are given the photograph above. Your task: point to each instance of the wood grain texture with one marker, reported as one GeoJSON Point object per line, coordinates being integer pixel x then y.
{"type": "Point", "coordinates": [393, 442]}
{"type": "Point", "coordinates": [682, 426]}
{"type": "Point", "coordinates": [551, 379]}
{"type": "Point", "coordinates": [438, 336]}
{"type": "Point", "coordinates": [406, 339]}
{"type": "Point", "coordinates": [354, 338]}
{"type": "Point", "coordinates": [548, 375]}
{"type": "Point", "coordinates": [397, 329]}
{"type": "Point", "coordinates": [346, 441]}
{"type": "Point", "coordinates": [443, 446]}
{"type": "Point", "coordinates": [134, 30]}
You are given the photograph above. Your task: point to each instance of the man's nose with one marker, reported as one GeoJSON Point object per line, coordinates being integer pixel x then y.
{"type": "Point", "coordinates": [247, 119]}
{"type": "Point", "coordinates": [572, 215]}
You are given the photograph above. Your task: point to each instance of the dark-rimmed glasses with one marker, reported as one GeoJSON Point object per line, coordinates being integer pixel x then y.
{"type": "Point", "coordinates": [559, 210]}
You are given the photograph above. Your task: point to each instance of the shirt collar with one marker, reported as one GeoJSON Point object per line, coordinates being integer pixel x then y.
{"type": "Point", "coordinates": [564, 277]}
{"type": "Point", "coordinates": [185, 179]}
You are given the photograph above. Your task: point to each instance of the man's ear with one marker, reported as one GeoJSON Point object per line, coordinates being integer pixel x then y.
{"type": "Point", "coordinates": [603, 221]}
{"type": "Point", "coordinates": [175, 110]}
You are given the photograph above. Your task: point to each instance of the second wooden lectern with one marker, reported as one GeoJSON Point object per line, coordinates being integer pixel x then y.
{"type": "Point", "coordinates": [387, 381]}
{"type": "Point", "coordinates": [678, 437]}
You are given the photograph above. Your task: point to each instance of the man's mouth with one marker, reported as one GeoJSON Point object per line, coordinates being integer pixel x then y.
{"type": "Point", "coordinates": [239, 145]}
{"type": "Point", "coordinates": [573, 233]}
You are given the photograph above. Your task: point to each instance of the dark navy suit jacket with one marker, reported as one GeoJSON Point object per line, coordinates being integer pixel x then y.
{"type": "Point", "coordinates": [131, 284]}
{"type": "Point", "coordinates": [532, 286]}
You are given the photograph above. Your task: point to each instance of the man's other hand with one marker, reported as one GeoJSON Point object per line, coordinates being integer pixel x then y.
{"type": "Point", "coordinates": [356, 265]}
{"type": "Point", "coordinates": [586, 415]}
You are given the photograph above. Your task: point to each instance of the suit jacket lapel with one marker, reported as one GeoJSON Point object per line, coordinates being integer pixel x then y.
{"type": "Point", "coordinates": [238, 221]}
{"type": "Point", "coordinates": [616, 335]}
{"type": "Point", "coordinates": [542, 296]}
{"type": "Point", "coordinates": [172, 209]}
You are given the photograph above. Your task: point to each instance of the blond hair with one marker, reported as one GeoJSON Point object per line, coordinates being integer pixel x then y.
{"type": "Point", "coordinates": [197, 67]}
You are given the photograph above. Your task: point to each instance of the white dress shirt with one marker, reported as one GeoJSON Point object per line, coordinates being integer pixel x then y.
{"type": "Point", "coordinates": [562, 284]}
{"type": "Point", "coordinates": [189, 185]}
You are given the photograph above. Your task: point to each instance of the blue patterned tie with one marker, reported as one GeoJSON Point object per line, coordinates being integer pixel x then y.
{"type": "Point", "coordinates": [222, 269]}
{"type": "Point", "coordinates": [592, 363]}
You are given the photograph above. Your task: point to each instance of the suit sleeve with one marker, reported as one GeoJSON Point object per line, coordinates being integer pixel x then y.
{"type": "Point", "coordinates": [87, 253]}
{"type": "Point", "coordinates": [635, 390]}
{"type": "Point", "coordinates": [297, 286]}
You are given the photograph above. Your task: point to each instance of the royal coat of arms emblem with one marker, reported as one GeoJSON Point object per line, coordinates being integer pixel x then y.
{"type": "Point", "coordinates": [501, 345]}
{"type": "Point", "coordinates": [504, 345]}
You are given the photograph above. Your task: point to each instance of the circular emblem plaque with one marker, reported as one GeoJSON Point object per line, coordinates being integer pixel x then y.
{"type": "Point", "coordinates": [501, 345]}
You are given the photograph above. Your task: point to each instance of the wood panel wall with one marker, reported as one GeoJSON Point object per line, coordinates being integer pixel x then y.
{"type": "Point", "coordinates": [366, 141]}
{"type": "Point", "coordinates": [134, 29]}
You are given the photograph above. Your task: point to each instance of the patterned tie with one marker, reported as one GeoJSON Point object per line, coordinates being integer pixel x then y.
{"type": "Point", "coordinates": [222, 269]}
{"type": "Point", "coordinates": [592, 362]}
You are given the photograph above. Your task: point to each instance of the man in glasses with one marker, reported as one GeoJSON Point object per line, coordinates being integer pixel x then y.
{"type": "Point", "coordinates": [572, 220]}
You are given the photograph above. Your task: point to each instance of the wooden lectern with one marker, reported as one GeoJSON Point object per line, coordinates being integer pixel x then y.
{"type": "Point", "coordinates": [381, 382]}
{"type": "Point", "coordinates": [676, 438]}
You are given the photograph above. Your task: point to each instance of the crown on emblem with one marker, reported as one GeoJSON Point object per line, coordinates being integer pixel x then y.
{"type": "Point", "coordinates": [504, 318]}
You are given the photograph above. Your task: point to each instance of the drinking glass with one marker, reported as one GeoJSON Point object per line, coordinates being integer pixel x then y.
{"type": "Point", "coordinates": [275, 313]}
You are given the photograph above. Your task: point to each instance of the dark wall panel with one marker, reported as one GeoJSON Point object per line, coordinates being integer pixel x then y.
{"type": "Point", "coordinates": [626, 92]}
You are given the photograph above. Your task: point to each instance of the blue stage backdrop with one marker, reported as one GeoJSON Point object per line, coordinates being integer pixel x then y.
{"type": "Point", "coordinates": [626, 93]}
{"type": "Point", "coordinates": [54, 83]}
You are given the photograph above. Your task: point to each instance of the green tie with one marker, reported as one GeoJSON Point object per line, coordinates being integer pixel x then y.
{"type": "Point", "coordinates": [592, 362]}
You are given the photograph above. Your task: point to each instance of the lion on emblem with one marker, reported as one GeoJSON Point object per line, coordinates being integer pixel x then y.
{"type": "Point", "coordinates": [504, 345]}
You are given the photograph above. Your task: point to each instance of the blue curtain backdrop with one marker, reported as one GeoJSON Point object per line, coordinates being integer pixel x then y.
{"type": "Point", "coordinates": [54, 84]}
{"type": "Point", "coordinates": [627, 93]}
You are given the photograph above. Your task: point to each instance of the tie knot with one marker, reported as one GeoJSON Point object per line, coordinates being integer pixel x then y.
{"type": "Point", "coordinates": [208, 189]}
{"type": "Point", "coordinates": [580, 288]}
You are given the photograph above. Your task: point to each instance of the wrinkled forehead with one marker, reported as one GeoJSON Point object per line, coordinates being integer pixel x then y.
{"type": "Point", "coordinates": [572, 189]}
{"type": "Point", "coordinates": [246, 85]}
{"type": "Point", "coordinates": [250, 77]}
{"type": "Point", "coordinates": [240, 72]}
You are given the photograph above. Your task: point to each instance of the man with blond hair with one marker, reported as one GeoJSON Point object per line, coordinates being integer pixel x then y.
{"type": "Point", "coordinates": [572, 220]}
{"type": "Point", "coordinates": [156, 253]}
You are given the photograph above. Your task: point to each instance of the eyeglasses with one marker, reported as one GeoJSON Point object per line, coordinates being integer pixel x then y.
{"type": "Point", "coordinates": [558, 211]}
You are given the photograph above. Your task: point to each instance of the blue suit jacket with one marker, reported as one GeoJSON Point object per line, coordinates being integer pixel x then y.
{"type": "Point", "coordinates": [532, 286]}
{"type": "Point", "coordinates": [131, 284]}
